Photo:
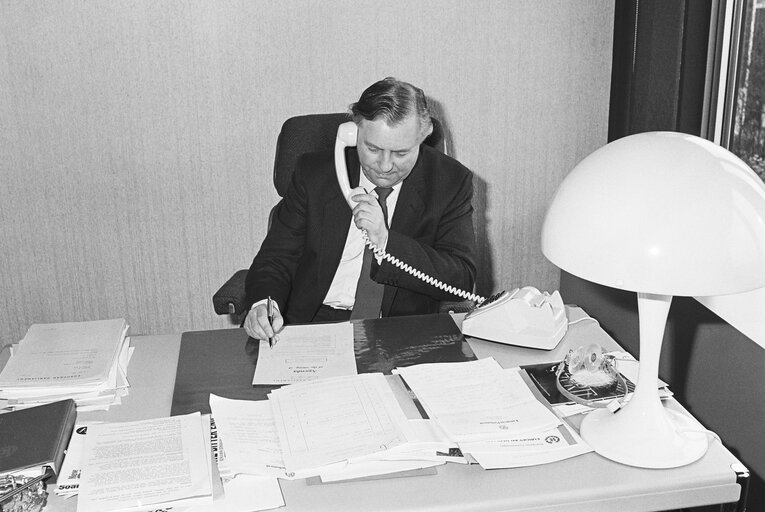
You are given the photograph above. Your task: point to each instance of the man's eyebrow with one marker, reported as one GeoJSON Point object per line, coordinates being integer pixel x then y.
{"type": "Point", "coordinates": [375, 146]}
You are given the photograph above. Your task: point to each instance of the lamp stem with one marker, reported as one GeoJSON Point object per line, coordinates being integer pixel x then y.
{"type": "Point", "coordinates": [652, 311]}
{"type": "Point", "coordinates": [643, 433]}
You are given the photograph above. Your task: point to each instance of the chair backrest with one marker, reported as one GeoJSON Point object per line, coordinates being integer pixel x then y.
{"type": "Point", "coordinates": [316, 132]}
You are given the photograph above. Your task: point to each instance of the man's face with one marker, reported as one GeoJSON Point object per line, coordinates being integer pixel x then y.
{"type": "Point", "coordinates": [388, 153]}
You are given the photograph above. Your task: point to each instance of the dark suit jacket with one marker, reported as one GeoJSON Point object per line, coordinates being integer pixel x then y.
{"type": "Point", "coordinates": [431, 230]}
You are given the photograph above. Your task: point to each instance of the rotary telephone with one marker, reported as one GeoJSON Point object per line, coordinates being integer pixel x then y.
{"type": "Point", "coordinates": [524, 316]}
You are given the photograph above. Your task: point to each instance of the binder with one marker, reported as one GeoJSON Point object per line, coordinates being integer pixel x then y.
{"type": "Point", "coordinates": [35, 439]}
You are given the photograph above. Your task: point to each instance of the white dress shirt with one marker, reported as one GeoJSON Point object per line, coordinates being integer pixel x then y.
{"type": "Point", "coordinates": [342, 291]}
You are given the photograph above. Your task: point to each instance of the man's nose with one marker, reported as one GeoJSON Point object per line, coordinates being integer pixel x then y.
{"type": "Point", "coordinates": [386, 162]}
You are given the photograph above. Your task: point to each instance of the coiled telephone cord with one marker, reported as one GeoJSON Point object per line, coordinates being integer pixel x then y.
{"type": "Point", "coordinates": [418, 274]}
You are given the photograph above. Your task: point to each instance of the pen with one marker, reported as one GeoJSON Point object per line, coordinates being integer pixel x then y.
{"type": "Point", "coordinates": [270, 320]}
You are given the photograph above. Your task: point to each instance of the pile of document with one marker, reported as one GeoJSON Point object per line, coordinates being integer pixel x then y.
{"type": "Point", "coordinates": [85, 361]}
{"type": "Point", "coordinates": [330, 423]}
{"type": "Point", "coordinates": [492, 414]}
{"type": "Point", "coordinates": [349, 427]}
{"type": "Point", "coordinates": [334, 429]}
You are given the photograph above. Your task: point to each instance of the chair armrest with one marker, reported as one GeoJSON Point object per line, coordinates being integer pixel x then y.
{"type": "Point", "coordinates": [457, 306]}
{"type": "Point", "coordinates": [231, 298]}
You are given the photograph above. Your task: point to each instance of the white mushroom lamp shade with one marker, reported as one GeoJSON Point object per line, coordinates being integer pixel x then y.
{"type": "Point", "coordinates": [660, 214]}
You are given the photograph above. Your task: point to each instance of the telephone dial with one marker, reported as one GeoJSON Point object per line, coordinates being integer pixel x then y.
{"type": "Point", "coordinates": [524, 316]}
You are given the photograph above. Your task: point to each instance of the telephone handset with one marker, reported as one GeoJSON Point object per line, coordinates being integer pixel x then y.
{"type": "Point", "coordinates": [346, 136]}
{"type": "Point", "coordinates": [522, 317]}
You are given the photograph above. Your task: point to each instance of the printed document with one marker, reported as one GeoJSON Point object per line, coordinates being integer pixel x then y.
{"type": "Point", "coordinates": [333, 420]}
{"type": "Point", "coordinates": [249, 436]}
{"type": "Point", "coordinates": [141, 464]}
{"type": "Point", "coordinates": [242, 493]}
{"type": "Point", "coordinates": [247, 432]}
{"type": "Point", "coordinates": [68, 482]}
{"type": "Point", "coordinates": [477, 400]}
{"type": "Point", "coordinates": [543, 447]}
{"type": "Point", "coordinates": [305, 353]}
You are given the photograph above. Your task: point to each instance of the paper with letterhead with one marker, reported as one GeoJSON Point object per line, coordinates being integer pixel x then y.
{"type": "Point", "coordinates": [477, 400]}
{"type": "Point", "coordinates": [305, 353]}
{"type": "Point", "coordinates": [559, 443]}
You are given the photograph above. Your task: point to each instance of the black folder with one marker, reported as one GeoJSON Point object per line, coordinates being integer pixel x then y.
{"type": "Point", "coordinates": [35, 439]}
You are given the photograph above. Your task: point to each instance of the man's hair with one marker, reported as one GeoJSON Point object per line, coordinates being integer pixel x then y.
{"type": "Point", "coordinates": [393, 101]}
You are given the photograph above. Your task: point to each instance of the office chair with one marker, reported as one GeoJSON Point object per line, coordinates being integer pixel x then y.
{"type": "Point", "coordinates": [304, 134]}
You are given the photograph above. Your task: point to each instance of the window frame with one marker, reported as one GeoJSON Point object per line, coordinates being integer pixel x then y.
{"type": "Point", "coordinates": [724, 55]}
{"type": "Point", "coordinates": [743, 310]}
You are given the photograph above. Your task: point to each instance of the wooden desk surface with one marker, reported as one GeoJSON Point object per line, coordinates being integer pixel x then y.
{"type": "Point", "coordinates": [223, 361]}
{"type": "Point", "coordinates": [588, 483]}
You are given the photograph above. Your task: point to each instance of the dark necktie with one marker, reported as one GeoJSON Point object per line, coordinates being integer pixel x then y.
{"type": "Point", "coordinates": [368, 292]}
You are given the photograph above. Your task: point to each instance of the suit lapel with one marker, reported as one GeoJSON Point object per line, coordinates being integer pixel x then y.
{"type": "Point", "coordinates": [334, 229]}
{"type": "Point", "coordinates": [406, 217]}
{"type": "Point", "coordinates": [410, 205]}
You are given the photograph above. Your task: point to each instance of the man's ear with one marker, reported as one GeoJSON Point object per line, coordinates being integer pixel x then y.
{"type": "Point", "coordinates": [425, 134]}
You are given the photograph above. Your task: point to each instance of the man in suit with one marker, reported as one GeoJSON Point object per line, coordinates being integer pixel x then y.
{"type": "Point", "coordinates": [311, 260]}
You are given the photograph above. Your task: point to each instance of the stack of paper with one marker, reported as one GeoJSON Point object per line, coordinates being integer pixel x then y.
{"type": "Point", "coordinates": [337, 428]}
{"type": "Point", "coordinates": [491, 413]}
{"type": "Point", "coordinates": [85, 361]}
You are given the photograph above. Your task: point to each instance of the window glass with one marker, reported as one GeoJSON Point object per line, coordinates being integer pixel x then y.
{"type": "Point", "coordinates": [748, 137]}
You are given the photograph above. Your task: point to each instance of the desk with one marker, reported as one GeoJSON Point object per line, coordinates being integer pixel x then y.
{"type": "Point", "coordinates": [588, 483]}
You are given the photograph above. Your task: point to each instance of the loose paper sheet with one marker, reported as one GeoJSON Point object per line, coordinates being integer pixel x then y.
{"type": "Point", "coordinates": [477, 400]}
{"type": "Point", "coordinates": [249, 435]}
{"type": "Point", "coordinates": [141, 464]}
{"type": "Point", "coordinates": [305, 353]}
{"type": "Point", "coordinates": [543, 447]}
{"type": "Point", "coordinates": [246, 493]}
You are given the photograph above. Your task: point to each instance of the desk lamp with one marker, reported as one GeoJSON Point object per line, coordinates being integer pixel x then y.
{"type": "Point", "coordinates": [660, 214]}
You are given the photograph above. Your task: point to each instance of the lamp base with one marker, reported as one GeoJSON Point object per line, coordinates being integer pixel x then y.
{"type": "Point", "coordinates": [659, 439]}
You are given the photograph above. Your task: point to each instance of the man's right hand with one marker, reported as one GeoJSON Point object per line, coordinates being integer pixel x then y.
{"type": "Point", "coordinates": [368, 215]}
{"type": "Point", "coordinates": [257, 326]}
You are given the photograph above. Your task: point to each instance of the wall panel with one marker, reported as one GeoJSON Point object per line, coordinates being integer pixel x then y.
{"type": "Point", "coordinates": [137, 138]}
